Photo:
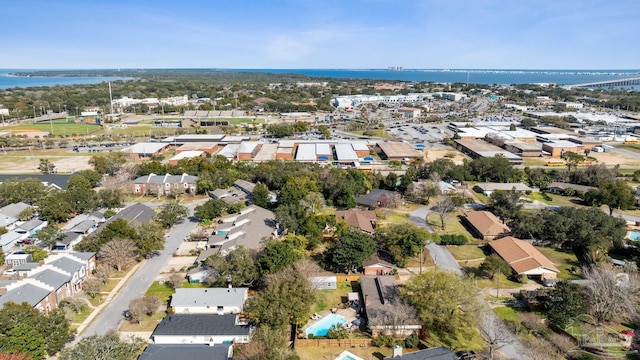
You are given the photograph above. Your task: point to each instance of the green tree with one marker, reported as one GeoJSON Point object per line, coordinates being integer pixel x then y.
{"type": "Point", "coordinates": [447, 305]}
{"type": "Point", "coordinates": [109, 163]}
{"type": "Point", "coordinates": [107, 347]}
{"type": "Point", "coordinates": [93, 176]}
{"type": "Point", "coordinates": [170, 214]}
{"type": "Point", "coordinates": [37, 253]}
{"type": "Point", "coordinates": [402, 241]}
{"type": "Point", "coordinates": [528, 123]}
{"type": "Point", "coordinates": [237, 268]}
{"type": "Point", "coordinates": [50, 235]}
{"type": "Point", "coordinates": [566, 303]}
{"type": "Point", "coordinates": [616, 194]}
{"type": "Point", "coordinates": [261, 196]}
{"type": "Point", "coordinates": [505, 204]}
{"type": "Point", "coordinates": [495, 265]}
{"type": "Point", "coordinates": [28, 190]}
{"type": "Point", "coordinates": [80, 195]}
{"type": "Point", "coordinates": [149, 239]}
{"type": "Point", "coordinates": [278, 255]}
{"type": "Point", "coordinates": [55, 207]}
{"type": "Point", "coordinates": [286, 299]}
{"type": "Point", "coordinates": [349, 251]}
{"type": "Point", "coordinates": [110, 198]}
{"type": "Point", "coordinates": [46, 166]}
{"type": "Point", "coordinates": [210, 210]}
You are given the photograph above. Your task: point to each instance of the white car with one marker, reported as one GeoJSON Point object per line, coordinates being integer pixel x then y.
{"type": "Point", "coordinates": [9, 272]}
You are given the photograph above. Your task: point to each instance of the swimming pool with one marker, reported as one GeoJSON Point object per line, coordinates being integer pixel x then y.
{"type": "Point", "coordinates": [321, 328]}
{"type": "Point", "coordinates": [634, 235]}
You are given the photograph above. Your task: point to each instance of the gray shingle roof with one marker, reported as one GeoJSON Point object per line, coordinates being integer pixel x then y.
{"type": "Point", "coordinates": [436, 353]}
{"type": "Point", "coordinates": [373, 197]}
{"type": "Point", "coordinates": [67, 264]}
{"type": "Point", "coordinates": [59, 181]}
{"type": "Point", "coordinates": [381, 300]}
{"type": "Point", "coordinates": [52, 278]}
{"type": "Point", "coordinates": [29, 293]}
{"type": "Point", "coordinates": [213, 297]}
{"type": "Point", "coordinates": [172, 352]}
{"type": "Point", "coordinates": [139, 213]}
{"type": "Point", "coordinates": [31, 224]}
{"type": "Point", "coordinates": [83, 255]}
{"type": "Point", "coordinates": [26, 266]}
{"type": "Point", "coordinates": [68, 238]}
{"type": "Point", "coordinates": [167, 178]}
{"type": "Point", "coordinates": [83, 226]}
{"type": "Point", "coordinates": [194, 325]}
{"type": "Point", "coordinates": [13, 210]}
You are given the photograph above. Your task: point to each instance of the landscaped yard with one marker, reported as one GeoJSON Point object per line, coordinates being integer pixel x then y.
{"type": "Point", "coordinates": [164, 291]}
{"type": "Point", "coordinates": [565, 261]}
{"type": "Point", "coordinates": [147, 324]}
{"type": "Point", "coordinates": [84, 313]}
{"type": "Point", "coordinates": [466, 252]}
{"type": "Point", "coordinates": [452, 224]}
{"type": "Point", "coordinates": [327, 299]}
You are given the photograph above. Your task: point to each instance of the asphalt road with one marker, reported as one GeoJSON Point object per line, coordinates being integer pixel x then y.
{"type": "Point", "coordinates": [112, 315]}
{"type": "Point", "coordinates": [511, 346]}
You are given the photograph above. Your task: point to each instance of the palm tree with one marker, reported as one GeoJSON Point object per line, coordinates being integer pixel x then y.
{"type": "Point", "coordinates": [495, 265]}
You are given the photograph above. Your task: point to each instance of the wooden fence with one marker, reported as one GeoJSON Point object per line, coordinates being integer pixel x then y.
{"type": "Point", "coordinates": [342, 343]}
{"type": "Point", "coordinates": [345, 278]}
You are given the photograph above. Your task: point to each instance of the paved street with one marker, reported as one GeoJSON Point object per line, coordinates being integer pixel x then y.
{"type": "Point", "coordinates": [511, 347]}
{"type": "Point", "coordinates": [112, 314]}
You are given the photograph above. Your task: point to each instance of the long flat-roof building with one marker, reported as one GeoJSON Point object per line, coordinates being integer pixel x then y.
{"type": "Point", "coordinates": [146, 149]}
{"type": "Point", "coordinates": [479, 148]}
{"type": "Point", "coordinates": [396, 150]}
{"type": "Point", "coordinates": [267, 152]}
{"type": "Point", "coordinates": [345, 153]}
{"type": "Point", "coordinates": [306, 152]}
{"type": "Point", "coordinates": [185, 155]}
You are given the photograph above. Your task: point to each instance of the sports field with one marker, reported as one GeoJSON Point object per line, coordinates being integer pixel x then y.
{"type": "Point", "coordinates": [59, 127]}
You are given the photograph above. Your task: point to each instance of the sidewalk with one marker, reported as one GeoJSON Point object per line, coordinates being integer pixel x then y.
{"type": "Point", "coordinates": [106, 302]}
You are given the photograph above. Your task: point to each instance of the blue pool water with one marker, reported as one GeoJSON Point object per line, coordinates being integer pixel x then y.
{"type": "Point", "coordinates": [634, 235]}
{"type": "Point", "coordinates": [321, 328]}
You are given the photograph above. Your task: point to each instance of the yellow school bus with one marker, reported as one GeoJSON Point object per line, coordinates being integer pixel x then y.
{"type": "Point", "coordinates": [555, 163]}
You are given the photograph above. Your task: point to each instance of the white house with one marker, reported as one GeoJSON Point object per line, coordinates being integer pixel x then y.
{"type": "Point", "coordinates": [201, 329]}
{"type": "Point", "coordinates": [208, 300]}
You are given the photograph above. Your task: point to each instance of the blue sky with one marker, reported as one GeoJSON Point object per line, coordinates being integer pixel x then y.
{"type": "Point", "coordinates": [475, 34]}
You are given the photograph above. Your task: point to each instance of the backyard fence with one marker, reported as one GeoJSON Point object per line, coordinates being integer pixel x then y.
{"type": "Point", "coordinates": [345, 278]}
{"type": "Point", "coordinates": [342, 343]}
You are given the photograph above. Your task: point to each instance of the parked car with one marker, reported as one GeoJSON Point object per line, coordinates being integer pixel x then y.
{"type": "Point", "coordinates": [9, 272]}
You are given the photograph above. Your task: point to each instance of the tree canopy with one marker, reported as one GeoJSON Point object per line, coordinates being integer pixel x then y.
{"type": "Point", "coordinates": [348, 251]}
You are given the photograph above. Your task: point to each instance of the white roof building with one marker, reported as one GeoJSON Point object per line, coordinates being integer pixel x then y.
{"type": "Point", "coordinates": [145, 148]}
{"type": "Point", "coordinates": [187, 155]}
{"type": "Point", "coordinates": [345, 152]}
{"type": "Point", "coordinates": [306, 152]}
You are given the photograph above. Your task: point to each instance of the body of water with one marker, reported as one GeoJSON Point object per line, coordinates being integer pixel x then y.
{"type": "Point", "coordinates": [7, 81]}
{"type": "Point", "coordinates": [477, 76]}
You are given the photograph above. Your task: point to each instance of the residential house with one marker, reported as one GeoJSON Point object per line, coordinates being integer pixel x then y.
{"type": "Point", "coordinates": [10, 239]}
{"type": "Point", "coordinates": [485, 225]}
{"type": "Point", "coordinates": [386, 312]}
{"type": "Point", "coordinates": [379, 198]}
{"type": "Point", "coordinates": [56, 279]}
{"type": "Point", "coordinates": [31, 227]}
{"type": "Point", "coordinates": [15, 259]}
{"type": "Point", "coordinates": [10, 214]}
{"type": "Point", "coordinates": [435, 353]}
{"type": "Point", "coordinates": [36, 293]}
{"type": "Point", "coordinates": [445, 188]}
{"type": "Point", "coordinates": [524, 258]}
{"type": "Point", "coordinates": [488, 188]}
{"type": "Point", "coordinates": [218, 301]}
{"type": "Point", "coordinates": [68, 241]}
{"type": "Point", "coordinates": [377, 266]}
{"type": "Point", "coordinates": [135, 215]}
{"type": "Point", "coordinates": [364, 220]}
{"type": "Point", "coordinates": [23, 269]}
{"type": "Point", "coordinates": [201, 329]}
{"type": "Point", "coordinates": [79, 264]}
{"type": "Point", "coordinates": [246, 228]}
{"type": "Point", "coordinates": [167, 184]}
{"type": "Point", "coordinates": [50, 181]}
{"type": "Point", "coordinates": [563, 188]}
{"type": "Point", "coordinates": [172, 352]}
{"type": "Point", "coordinates": [200, 274]}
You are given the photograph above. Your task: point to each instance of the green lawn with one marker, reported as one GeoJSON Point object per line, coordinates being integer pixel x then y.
{"type": "Point", "coordinates": [111, 283]}
{"type": "Point", "coordinates": [506, 313]}
{"type": "Point", "coordinates": [555, 199]}
{"type": "Point", "coordinates": [629, 147]}
{"type": "Point", "coordinates": [466, 252]}
{"type": "Point", "coordinates": [564, 261]}
{"type": "Point", "coordinates": [83, 315]}
{"type": "Point", "coordinates": [164, 291]}
{"type": "Point", "coordinates": [327, 299]}
{"type": "Point", "coordinates": [452, 224]}
{"type": "Point", "coordinates": [147, 324]}
{"type": "Point", "coordinates": [59, 128]}
{"type": "Point", "coordinates": [533, 161]}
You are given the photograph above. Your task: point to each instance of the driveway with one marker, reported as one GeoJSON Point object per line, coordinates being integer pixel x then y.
{"type": "Point", "coordinates": [511, 347]}
{"type": "Point", "coordinates": [112, 315]}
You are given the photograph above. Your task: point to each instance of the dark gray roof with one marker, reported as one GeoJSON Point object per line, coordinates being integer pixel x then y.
{"type": "Point", "coordinates": [68, 238]}
{"type": "Point", "coordinates": [13, 210]}
{"type": "Point", "coordinates": [245, 186]}
{"type": "Point", "coordinates": [172, 352]}
{"type": "Point", "coordinates": [566, 186]}
{"type": "Point", "coordinates": [196, 324]}
{"type": "Point", "coordinates": [136, 213]}
{"type": "Point", "coordinates": [373, 197]}
{"type": "Point", "coordinates": [67, 264]}
{"type": "Point", "coordinates": [52, 278]}
{"type": "Point", "coordinates": [31, 224]}
{"type": "Point", "coordinates": [436, 353]}
{"type": "Point", "coordinates": [26, 266]}
{"type": "Point", "coordinates": [29, 293]}
{"type": "Point", "coordinates": [382, 301]}
{"type": "Point", "coordinates": [60, 181]}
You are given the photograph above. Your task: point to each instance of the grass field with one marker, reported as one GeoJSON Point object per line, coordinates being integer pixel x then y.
{"type": "Point", "coordinates": [147, 324]}
{"type": "Point", "coordinates": [507, 313]}
{"type": "Point", "coordinates": [59, 128]}
{"type": "Point", "coordinates": [466, 252]}
{"type": "Point", "coordinates": [164, 291]}
{"type": "Point", "coordinates": [326, 299]}
{"type": "Point", "coordinates": [452, 224]}
{"type": "Point", "coordinates": [564, 261]}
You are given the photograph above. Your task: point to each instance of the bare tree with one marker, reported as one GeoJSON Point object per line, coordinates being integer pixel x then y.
{"type": "Point", "coordinates": [136, 310]}
{"type": "Point", "coordinates": [613, 295]}
{"type": "Point", "coordinates": [444, 207]}
{"type": "Point", "coordinates": [92, 286]}
{"type": "Point", "coordinates": [103, 272]}
{"type": "Point", "coordinates": [175, 280]}
{"type": "Point", "coordinates": [75, 303]}
{"type": "Point", "coordinates": [494, 333]}
{"type": "Point", "coordinates": [118, 253]}
{"type": "Point", "coordinates": [151, 304]}
{"type": "Point", "coordinates": [312, 203]}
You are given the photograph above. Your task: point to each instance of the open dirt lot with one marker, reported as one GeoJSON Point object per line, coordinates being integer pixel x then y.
{"type": "Point", "coordinates": [436, 153]}
{"type": "Point", "coordinates": [13, 163]}
{"type": "Point", "coordinates": [611, 159]}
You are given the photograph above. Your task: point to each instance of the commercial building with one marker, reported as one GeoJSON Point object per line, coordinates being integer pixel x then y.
{"type": "Point", "coordinates": [395, 150]}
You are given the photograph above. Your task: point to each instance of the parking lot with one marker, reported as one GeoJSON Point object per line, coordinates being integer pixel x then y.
{"type": "Point", "coordinates": [430, 133]}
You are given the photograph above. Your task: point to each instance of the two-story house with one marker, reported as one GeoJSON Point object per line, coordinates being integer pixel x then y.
{"type": "Point", "coordinates": [167, 184]}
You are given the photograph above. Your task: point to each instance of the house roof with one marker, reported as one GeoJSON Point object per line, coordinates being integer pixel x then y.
{"type": "Point", "coordinates": [244, 185]}
{"type": "Point", "coordinates": [502, 186]}
{"type": "Point", "coordinates": [31, 224]}
{"type": "Point", "coordinates": [69, 237]}
{"type": "Point", "coordinates": [382, 299]}
{"type": "Point", "coordinates": [26, 266]}
{"type": "Point", "coordinates": [166, 179]}
{"type": "Point", "coordinates": [172, 352]}
{"type": "Point", "coordinates": [29, 293]}
{"type": "Point", "coordinates": [59, 181]}
{"type": "Point", "coordinates": [364, 219]}
{"type": "Point", "coordinates": [436, 353]}
{"type": "Point", "coordinates": [83, 255]}
{"type": "Point", "coordinates": [486, 223]}
{"type": "Point", "coordinates": [373, 197]}
{"type": "Point", "coordinates": [375, 260]}
{"type": "Point", "coordinates": [197, 324]}
{"type": "Point", "coordinates": [14, 210]}
{"type": "Point", "coordinates": [199, 297]}
{"type": "Point", "coordinates": [67, 264]}
{"type": "Point", "coordinates": [136, 213]}
{"type": "Point", "coordinates": [83, 226]}
{"type": "Point", "coordinates": [51, 277]}
{"type": "Point", "coordinates": [521, 255]}
{"type": "Point", "coordinates": [565, 186]}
